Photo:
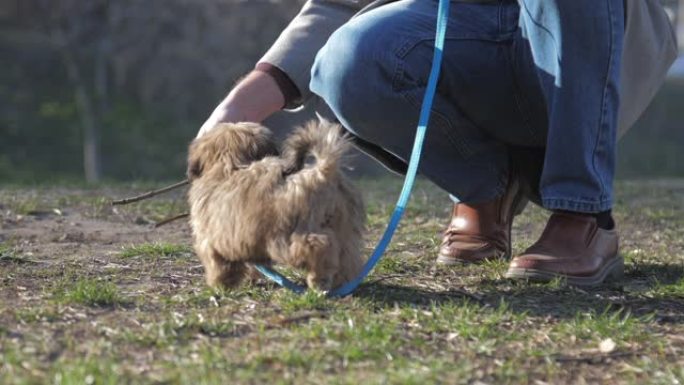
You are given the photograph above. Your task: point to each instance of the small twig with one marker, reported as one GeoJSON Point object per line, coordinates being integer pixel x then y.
{"type": "Point", "coordinates": [593, 358]}
{"type": "Point", "coordinates": [302, 317]}
{"type": "Point", "coordinates": [14, 259]}
{"type": "Point", "coordinates": [383, 278]}
{"type": "Point", "coordinates": [469, 295]}
{"type": "Point", "coordinates": [169, 220]}
{"type": "Point", "coordinates": [150, 194]}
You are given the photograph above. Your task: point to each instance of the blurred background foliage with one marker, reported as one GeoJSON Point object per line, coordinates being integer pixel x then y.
{"type": "Point", "coordinates": [116, 89]}
{"type": "Point", "coordinates": [654, 147]}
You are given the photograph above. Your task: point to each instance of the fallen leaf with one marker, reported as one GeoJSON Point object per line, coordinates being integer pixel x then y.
{"type": "Point", "coordinates": [607, 346]}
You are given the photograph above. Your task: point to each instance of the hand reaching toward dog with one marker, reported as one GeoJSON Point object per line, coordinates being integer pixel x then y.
{"type": "Point", "coordinates": [255, 98]}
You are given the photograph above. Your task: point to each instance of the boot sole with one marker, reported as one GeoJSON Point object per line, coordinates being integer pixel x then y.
{"type": "Point", "coordinates": [611, 272]}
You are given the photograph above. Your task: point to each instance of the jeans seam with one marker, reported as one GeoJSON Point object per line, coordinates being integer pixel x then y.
{"type": "Point", "coordinates": [397, 75]}
{"type": "Point", "coordinates": [410, 44]}
{"type": "Point", "coordinates": [577, 204]}
{"type": "Point", "coordinates": [604, 102]}
{"type": "Point", "coordinates": [577, 199]}
{"type": "Point", "coordinates": [520, 101]}
{"type": "Point", "coordinates": [500, 15]}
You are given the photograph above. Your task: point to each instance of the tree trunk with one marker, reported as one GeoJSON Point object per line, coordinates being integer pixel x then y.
{"type": "Point", "coordinates": [87, 115]}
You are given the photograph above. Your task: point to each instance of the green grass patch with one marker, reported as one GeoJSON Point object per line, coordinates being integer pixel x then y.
{"type": "Point", "coordinates": [39, 314]}
{"type": "Point", "coordinates": [155, 250]}
{"type": "Point", "coordinates": [670, 290]}
{"type": "Point", "coordinates": [89, 370]}
{"type": "Point", "coordinates": [7, 253]}
{"type": "Point", "coordinates": [87, 291]}
{"type": "Point", "coordinates": [310, 300]}
{"type": "Point", "coordinates": [618, 325]}
{"type": "Point", "coordinates": [25, 206]}
{"type": "Point", "coordinates": [176, 327]}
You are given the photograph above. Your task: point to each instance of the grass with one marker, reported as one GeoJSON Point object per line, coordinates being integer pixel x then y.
{"type": "Point", "coordinates": [86, 291]}
{"type": "Point", "coordinates": [129, 305]}
{"type": "Point", "coordinates": [32, 314]}
{"type": "Point", "coordinates": [7, 253]}
{"type": "Point", "coordinates": [155, 250]}
{"type": "Point", "coordinates": [675, 290]}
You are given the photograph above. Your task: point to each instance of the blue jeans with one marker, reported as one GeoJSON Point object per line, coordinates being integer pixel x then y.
{"type": "Point", "coordinates": [528, 82]}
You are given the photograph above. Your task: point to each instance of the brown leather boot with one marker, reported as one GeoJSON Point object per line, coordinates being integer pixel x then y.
{"type": "Point", "coordinates": [571, 247]}
{"type": "Point", "coordinates": [482, 231]}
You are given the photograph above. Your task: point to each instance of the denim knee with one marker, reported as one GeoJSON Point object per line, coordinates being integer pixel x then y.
{"type": "Point", "coordinates": [349, 74]}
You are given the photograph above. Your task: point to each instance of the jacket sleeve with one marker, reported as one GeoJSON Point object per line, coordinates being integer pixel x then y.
{"type": "Point", "coordinates": [650, 48]}
{"type": "Point", "coordinates": [295, 50]}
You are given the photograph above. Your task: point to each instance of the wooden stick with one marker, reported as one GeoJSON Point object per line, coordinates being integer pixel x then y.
{"type": "Point", "coordinates": [169, 220]}
{"type": "Point", "coordinates": [150, 194]}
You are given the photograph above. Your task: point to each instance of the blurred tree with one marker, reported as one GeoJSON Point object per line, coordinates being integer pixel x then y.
{"type": "Point", "coordinates": [137, 77]}
{"type": "Point", "coordinates": [116, 89]}
{"type": "Point", "coordinates": [77, 32]}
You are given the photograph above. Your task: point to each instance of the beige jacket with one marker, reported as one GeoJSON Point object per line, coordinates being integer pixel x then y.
{"type": "Point", "coordinates": [650, 48]}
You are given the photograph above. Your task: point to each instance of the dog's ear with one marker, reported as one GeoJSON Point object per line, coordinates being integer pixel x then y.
{"type": "Point", "coordinates": [194, 169]}
{"type": "Point", "coordinates": [267, 148]}
{"type": "Point", "coordinates": [195, 163]}
{"type": "Point", "coordinates": [254, 147]}
{"type": "Point", "coordinates": [231, 146]}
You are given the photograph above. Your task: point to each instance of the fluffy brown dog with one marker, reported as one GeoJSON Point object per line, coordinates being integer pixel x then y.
{"type": "Point", "coordinates": [250, 202]}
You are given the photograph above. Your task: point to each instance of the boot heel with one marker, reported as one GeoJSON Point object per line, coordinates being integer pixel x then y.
{"type": "Point", "coordinates": [617, 271]}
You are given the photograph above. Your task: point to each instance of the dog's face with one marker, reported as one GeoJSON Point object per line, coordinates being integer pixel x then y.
{"type": "Point", "coordinates": [228, 147]}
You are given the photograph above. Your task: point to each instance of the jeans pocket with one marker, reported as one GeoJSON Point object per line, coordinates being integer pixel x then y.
{"type": "Point", "coordinates": [358, 4]}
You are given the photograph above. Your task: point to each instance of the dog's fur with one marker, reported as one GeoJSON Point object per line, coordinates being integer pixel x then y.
{"type": "Point", "coordinates": [250, 202]}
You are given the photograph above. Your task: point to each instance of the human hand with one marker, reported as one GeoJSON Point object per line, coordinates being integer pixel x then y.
{"type": "Point", "coordinates": [255, 98]}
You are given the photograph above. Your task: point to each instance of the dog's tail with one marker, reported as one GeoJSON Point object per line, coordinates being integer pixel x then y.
{"type": "Point", "coordinates": [318, 145]}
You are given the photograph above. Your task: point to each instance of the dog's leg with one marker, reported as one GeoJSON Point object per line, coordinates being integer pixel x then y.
{"type": "Point", "coordinates": [252, 275]}
{"type": "Point", "coordinates": [222, 273]}
{"type": "Point", "coordinates": [228, 275]}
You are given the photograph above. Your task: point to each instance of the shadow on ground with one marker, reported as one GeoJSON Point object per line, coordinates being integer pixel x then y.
{"type": "Point", "coordinates": [644, 291]}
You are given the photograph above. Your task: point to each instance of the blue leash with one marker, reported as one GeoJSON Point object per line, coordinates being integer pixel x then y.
{"type": "Point", "coordinates": [349, 287]}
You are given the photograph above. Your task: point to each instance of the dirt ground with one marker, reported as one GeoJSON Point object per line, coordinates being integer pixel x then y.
{"type": "Point", "coordinates": [91, 293]}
